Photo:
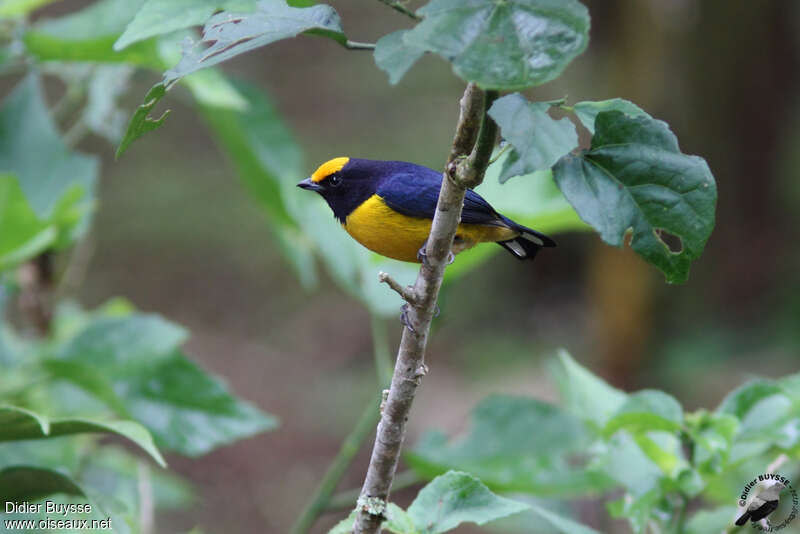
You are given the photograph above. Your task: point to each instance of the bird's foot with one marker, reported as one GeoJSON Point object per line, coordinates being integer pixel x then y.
{"type": "Point", "coordinates": [404, 318]}
{"type": "Point", "coordinates": [422, 256]}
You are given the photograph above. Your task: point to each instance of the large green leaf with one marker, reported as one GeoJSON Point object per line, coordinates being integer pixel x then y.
{"type": "Point", "coordinates": [231, 34]}
{"type": "Point", "coordinates": [455, 498]}
{"type": "Point", "coordinates": [31, 483]}
{"type": "Point", "coordinates": [395, 57]}
{"type": "Point", "coordinates": [585, 395]}
{"type": "Point", "coordinates": [587, 111]}
{"type": "Point", "coordinates": [21, 7]}
{"type": "Point", "coordinates": [514, 444]}
{"type": "Point", "coordinates": [562, 524]}
{"type": "Point", "coordinates": [506, 45]}
{"type": "Point", "coordinates": [133, 365]}
{"type": "Point", "coordinates": [89, 35]}
{"type": "Point", "coordinates": [57, 182]}
{"type": "Point", "coordinates": [23, 234]}
{"type": "Point", "coordinates": [538, 140]}
{"type": "Point", "coordinates": [644, 411]}
{"type": "Point", "coordinates": [635, 178]}
{"type": "Point", "coordinates": [21, 424]}
{"type": "Point", "coordinates": [157, 17]}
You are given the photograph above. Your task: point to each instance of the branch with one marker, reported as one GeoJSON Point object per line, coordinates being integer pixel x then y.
{"type": "Point", "coordinates": [400, 8]}
{"type": "Point", "coordinates": [355, 45]}
{"type": "Point", "coordinates": [406, 293]}
{"type": "Point", "coordinates": [410, 366]}
{"type": "Point", "coordinates": [35, 298]}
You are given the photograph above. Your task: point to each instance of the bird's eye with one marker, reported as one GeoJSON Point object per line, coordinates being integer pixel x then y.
{"type": "Point", "coordinates": [335, 180]}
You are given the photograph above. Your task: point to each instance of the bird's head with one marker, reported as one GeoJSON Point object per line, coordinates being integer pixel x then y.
{"type": "Point", "coordinates": [344, 183]}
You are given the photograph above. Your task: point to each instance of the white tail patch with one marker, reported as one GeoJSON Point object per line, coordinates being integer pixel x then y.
{"type": "Point", "coordinates": [516, 249]}
{"type": "Point", "coordinates": [534, 238]}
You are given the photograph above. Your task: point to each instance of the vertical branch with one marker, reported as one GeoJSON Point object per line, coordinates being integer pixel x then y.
{"type": "Point", "coordinates": [467, 162]}
{"type": "Point", "coordinates": [35, 299]}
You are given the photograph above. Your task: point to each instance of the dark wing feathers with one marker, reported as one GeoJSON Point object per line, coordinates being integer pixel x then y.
{"type": "Point", "coordinates": [416, 192]}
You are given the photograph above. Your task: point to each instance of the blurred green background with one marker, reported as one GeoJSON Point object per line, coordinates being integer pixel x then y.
{"type": "Point", "coordinates": [176, 233]}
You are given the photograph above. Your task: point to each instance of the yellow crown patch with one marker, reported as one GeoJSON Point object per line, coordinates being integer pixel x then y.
{"type": "Point", "coordinates": [328, 168]}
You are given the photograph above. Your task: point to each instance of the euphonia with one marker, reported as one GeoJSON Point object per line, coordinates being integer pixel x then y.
{"type": "Point", "coordinates": [388, 207]}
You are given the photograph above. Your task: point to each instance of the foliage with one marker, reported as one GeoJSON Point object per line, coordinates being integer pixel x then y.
{"type": "Point", "coordinates": [116, 371]}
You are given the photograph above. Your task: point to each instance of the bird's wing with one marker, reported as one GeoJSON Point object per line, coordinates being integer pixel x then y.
{"type": "Point", "coordinates": [415, 194]}
{"type": "Point", "coordinates": [764, 510]}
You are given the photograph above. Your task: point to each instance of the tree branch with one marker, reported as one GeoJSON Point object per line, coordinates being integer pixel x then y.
{"type": "Point", "coordinates": [406, 293]}
{"type": "Point", "coordinates": [35, 298]}
{"type": "Point", "coordinates": [400, 8]}
{"type": "Point", "coordinates": [410, 366]}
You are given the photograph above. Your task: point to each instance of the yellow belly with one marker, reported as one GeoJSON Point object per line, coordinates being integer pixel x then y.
{"type": "Point", "coordinates": [381, 229]}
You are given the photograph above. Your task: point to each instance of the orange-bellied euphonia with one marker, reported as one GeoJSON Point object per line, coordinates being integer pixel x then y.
{"type": "Point", "coordinates": [388, 207]}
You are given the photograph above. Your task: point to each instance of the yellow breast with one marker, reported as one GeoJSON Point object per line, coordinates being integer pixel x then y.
{"type": "Point", "coordinates": [394, 235]}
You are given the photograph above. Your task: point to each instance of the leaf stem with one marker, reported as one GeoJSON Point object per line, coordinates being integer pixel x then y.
{"type": "Point", "coordinates": [400, 8]}
{"type": "Point", "coordinates": [355, 45]}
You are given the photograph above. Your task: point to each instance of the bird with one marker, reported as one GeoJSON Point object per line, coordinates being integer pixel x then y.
{"type": "Point", "coordinates": [763, 504]}
{"type": "Point", "coordinates": [388, 207]}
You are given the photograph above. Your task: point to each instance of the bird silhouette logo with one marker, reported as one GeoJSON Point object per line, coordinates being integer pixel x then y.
{"type": "Point", "coordinates": [761, 497]}
{"type": "Point", "coordinates": [764, 503]}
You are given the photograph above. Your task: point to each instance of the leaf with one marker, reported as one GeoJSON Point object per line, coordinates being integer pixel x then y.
{"type": "Point", "coordinates": [30, 483]}
{"type": "Point", "coordinates": [138, 366]}
{"type": "Point", "coordinates": [24, 235]}
{"type": "Point", "coordinates": [455, 498]}
{"type": "Point", "coordinates": [158, 17]}
{"type": "Point", "coordinates": [21, 7]}
{"type": "Point", "coordinates": [644, 411]}
{"type": "Point", "coordinates": [58, 183]}
{"type": "Point", "coordinates": [506, 45]}
{"type": "Point", "coordinates": [560, 523]}
{"type": "Point", "coordinates": [141, 122]}
{"type": "Point", "coordinates": [625, 462]}
{"type": "Point", "coordinates": [231, 34]}
{"type": "Point", "coordinates": [89, 34]}
{"type": "Point", "coordinates": [584, 394]}
{"type": "Point", "coordinates": [21, 424]}
{"type": "Point", "coordinates": [741, 400]}
{"type": "Point", "coordinates": [269, 163]}
{"type": "Point", "coordinates": [635, 178]}
{"type": "Point", "coordinates": [398, 520]}
{"type": "Point", "coordinates": [587, 111]}
{"type": "Point", "coordinates": [538, 140]}
{"type": "Point", "coordinates": [514, 444]}
{"type": "Point", "coordinates": [716, 520]}
{"type": "Point", "coordinates": [395, 57]}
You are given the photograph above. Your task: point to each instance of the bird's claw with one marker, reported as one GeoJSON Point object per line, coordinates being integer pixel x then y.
{"type": "Point", "coordinates": [422, 256]}
{"type": "Point", "coordinates": [404, 318]}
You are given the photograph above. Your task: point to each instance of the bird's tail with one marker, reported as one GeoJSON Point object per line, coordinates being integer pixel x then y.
{"type": "Point", "coordinates": [743, 519]}
{"type": "Point", "coordinates": [527, 243]}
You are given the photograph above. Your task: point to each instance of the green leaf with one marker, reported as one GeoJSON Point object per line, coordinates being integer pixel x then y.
{"type": "Point", "coordinates": [514, 444]}
{"type": "Point", "coordinates": [506, 45]}
{"type": "Point", "coordinates": [712, 437]}
{"type": "Point", "coordinates": [21, 7]}
{"type": "Point", "coordinates": [231, 34]}
{"type": "Point", "coordinates": [345, 526]}
{"type": "Point", "coordinates": [560, 523]}
{"type": "Point", "coordinates": [635, 178]}
{"type": "Point", "coordinates": [397, 521]}
{"type": "Point", "coordinates": [644, 411]}
{"type": "Point", "coordinates": [269, 163]}
{"type": "Point", "coordinates": [30, 483]}
{"type": "Point", "coordinates": [625, 462]}
{"type": "Point", "coordinates": [455, 498]}
{"type": "Point", "coordinates": [587, 111]}
{"type": "Point", "coordinates": [716, 520]}
{"type": "Point", "coordinates": [158, 17]}
{"type": "Point", "coordinates": [395, 57]}
{"type": "Point", "coordinates": [138, 367]}
{"type": "Point", "coordinates": [89, 34]}
{"type": "Point", "coordinates": [584, 394]}
{"type": "Point", "coordinates": [141, 122]}
{"type": "Point", "coordinates": [538, 140]}
{"type": "Point", "coordinates": [21, 424]}
{"type": "Point", "coordinates": [24, 235]}
{"type": "Point", "coordinates": [741, 400]}
{"type": "Point", "coordinates": [58, 183]}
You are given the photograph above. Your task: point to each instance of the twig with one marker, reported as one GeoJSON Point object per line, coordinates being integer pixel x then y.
{"type": "Point", "coordinates": [355, 45]}
{"type": "Point", "coordinates": [35, 299]}
{"type": "Point", "coordinates": [345, 499]}
{"type": "Point", "coordinates": [406, 293]}
{"type": "Point", "coordinates": [400, 8]}
{"type": "Point", "coordinates": [146, 507]}
{"type": "Point", "coordinates": [410, 366]}
{"type": "Point", "coordinates": [777, 463]}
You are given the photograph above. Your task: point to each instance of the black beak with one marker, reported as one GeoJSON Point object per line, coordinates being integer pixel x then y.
{"type": "Point", "coordinates": [308, 184]}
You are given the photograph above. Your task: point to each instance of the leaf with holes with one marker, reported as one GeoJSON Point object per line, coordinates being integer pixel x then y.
{"type": "Point", "coordinates": [635, 178]}
{"type": "Point", "coordinates": [506, 45]}
{"type": "Point", "coordinates": [538, 139]}
{"type": "Point", "coordinates": [231, 34]}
